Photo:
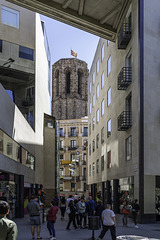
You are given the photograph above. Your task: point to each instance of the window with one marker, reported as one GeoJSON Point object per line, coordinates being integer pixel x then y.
{"type": "Point", "coordinates": [89, 149]}
{"type": "Point", "coordinates": [97, 140]}
{"type": "Point", "coordinates": [97, 91]}
{"type": "Point", "coordinates": [9, 148]}
{"type": "Point", "coordinates": [102, 163]}
{"type": "Point", "coordinates": [109, 159]}
{"type": "Point", "coordinates": [97, 167]}
{"type": "Point", "coordinates": [1, 146]}
{"type": "Point", "coordinates": [93, 123]}
{"type": "Point", "coordinates": [90, 170]}
{"type": "Point", "coordinates": [102, 80]}
{"type": "Point", "coordinates": [1, 45]}
{"type": "Point", "coordinates": [61, 132]}
{"type": "Point", "coordinates": [93, 78]}
{"type": "Point", "coordinates": [109, 66]}
{"type": "Point", "coordinates": [109, 128]}
{"type": "Point", "coordinates": [109, 97]}
{"type": "Point", "coordinates": [98, 66]}
{"type": "Point", "coordinates": [102, 135]}
{"type": "Point", "coordinates": [93, 168]}
{"type": "Point", "coordinates": [61, 157]}
{"type": "Point", "coordinates": [102, 107]}
{"type": "Point", "coordinates": [9, 17]}
{"type": "Point", "coordinates": [97, 113]}
{"type": "Point", "coordinates": [90, 129]}
{"type": "Point", "coordinates": [85, 133]}
{"type": "Point", "coordinates": [90, 87]}
{"type": "Point", "coordinates": [84, 157]}
{"type": "Point", "coordinates": [73, 187]}
{"type": "Point", "coordinates": [85, 142]}
{"type": "Point", "coordinates": [57, 82]}
{"type": "Point", "coordinates": [84, 187]}
{"type": "Point", "coordinates": [73, 131]}
{"type": "Point", "coordinates": [90, 107]}
{"type": "Point", "coordinates": [93, 145]}
{"type": "Point", "coordinates": [73, 143]}
{"type": "Point", "coordinates": [102, 52]}
{"type": "Point", "coordinates": [68, 81]}
{"type": "Point", "coordinates": [61, 145]}
{"type": "Point", "coordinates": [80, 75]}
{"type": "Point", "coordinates": [129, 148]}
{"type": "Point", "coordinates": [93, 100]}
{"type": "Point", "coordinates": [73, 156]}
{"type": "Point", "coordinates": [26, 53]}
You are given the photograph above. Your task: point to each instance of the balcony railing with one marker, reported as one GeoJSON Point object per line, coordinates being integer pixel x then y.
{"type": "Point", "coordinates": [125, 121]}
{"type": "Point", "coordinates": [62, 135]}
{"type": "Point", "coordinates": [62, 148]}
{"type": "Point", "coordinates": [83, 162]}
{"type": "Point", "coordinates": [124, 36]}
{"type": "Point", "coordinates": [28, 102]}
{"type": "Point", "coordinates": [72, 147]}
{"type": "Point", "coordinates": [65, 177]}
{"type": "Point", "coordinates": [85, 134]}
{"type": "Point", "coordinates": [124, 78]}
{"type": "Point", "coordinates": [73, 134]}
{"type": "Point", "coordinates": [83, 177]}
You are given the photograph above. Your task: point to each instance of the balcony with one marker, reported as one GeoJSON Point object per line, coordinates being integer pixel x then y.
{"type": "Point", "coordinates": [124, 36]}
{"type": "Point", "coordinates": [124, 78]}
{"type": "Point", "coordinates": [62, 148]}
{"type": "Point", "coordinates": [85, 134]}
{"type": "Point", "coordinates": [73, 147]}
{"type": "Point", "coordinates": [73, 134]}
{"type": "Point", "coordinates": [62, 135]}
{"type": "Point", "coordinates": [65, 177]}
{"type": "Point", "coordinates": [125, 121]}
{"type": "Point", "coordinates": [28, 101]}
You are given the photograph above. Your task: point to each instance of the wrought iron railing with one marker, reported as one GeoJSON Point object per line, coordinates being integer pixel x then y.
{"type": "Point", "coordinates": [124, 36]}
{"type": "Point", "coordinates": [125, 121]}
{"type": "Point", "coordinates": [124, 78]}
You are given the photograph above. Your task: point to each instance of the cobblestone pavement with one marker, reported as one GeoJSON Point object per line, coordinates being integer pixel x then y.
{"type": "Point", "coordinates": [150, 231]}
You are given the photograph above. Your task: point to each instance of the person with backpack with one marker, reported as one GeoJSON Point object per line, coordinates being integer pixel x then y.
{"type": "Point", "coordinates": [51, 218]}
{"type": "Point", "coordinates": [71, 215]}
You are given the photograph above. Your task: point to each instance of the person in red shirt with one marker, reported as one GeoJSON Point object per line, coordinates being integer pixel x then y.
{"type": "Point", "coordinates": [51, 218]}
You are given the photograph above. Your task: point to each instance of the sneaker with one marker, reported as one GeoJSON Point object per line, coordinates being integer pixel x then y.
{"type": "Point", "coordinates": [136, 226]}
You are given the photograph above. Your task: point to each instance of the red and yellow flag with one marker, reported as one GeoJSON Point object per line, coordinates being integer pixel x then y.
{"type": "Point", "coordinates": [73, 53]}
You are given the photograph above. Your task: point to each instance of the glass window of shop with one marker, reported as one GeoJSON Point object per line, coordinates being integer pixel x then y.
{"type": "Point", "coordinates": [126, 190]}
{"type": "Point", "coordinates": [28, 159]}
{"type": "Point", "coordinates": [9, 147]}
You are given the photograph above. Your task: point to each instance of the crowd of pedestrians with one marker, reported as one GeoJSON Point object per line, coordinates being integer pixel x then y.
{"type": "Point", "coordinates": [78, 211]}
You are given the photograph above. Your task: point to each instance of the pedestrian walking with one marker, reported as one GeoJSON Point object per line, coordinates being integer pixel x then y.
{"type": "Point", "coordinates": [82, 212]}
{"type": "Point", "coordinates": [90, 207]}
{"type": "Point", "coordinates": [135, 209]}
{"type": "Point", "coordinates": [69, 199]}
{"type": "Point", "coordinates": [56, 200]}
{"type": "Point", "coordinates": [51, 218]}
{"type": "Point", "coordinates": [98, 211]}
{"type": "Point", "coordinates": [109, 223]}
{"type": "Point", "coordinates": [77, 220]}
{"type": "Point", "coordinates": [71, 215]}
{"type": "Point", "coordinates": [34, 212]}
{"type": "Point", "coordinates": [8, 228]}
{"type": "Point", "coordinates": [63, 207]}
{"type": "Point", "coordinates": [125, 212]}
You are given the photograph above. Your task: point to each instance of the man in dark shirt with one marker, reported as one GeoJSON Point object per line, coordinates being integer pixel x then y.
{"type": "Point", "coordinates": [135, 209]}
{"type": "Point", "coordinates": [34, 212]}
{"type": "Point", "coordinates": [8, 228]}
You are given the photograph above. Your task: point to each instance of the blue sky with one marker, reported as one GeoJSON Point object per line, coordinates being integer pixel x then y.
{"type": "Point", "coordinates": [62, 38]}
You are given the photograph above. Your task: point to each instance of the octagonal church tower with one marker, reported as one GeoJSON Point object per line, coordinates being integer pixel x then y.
{"type": "Point", "coordinates": [69, 89]}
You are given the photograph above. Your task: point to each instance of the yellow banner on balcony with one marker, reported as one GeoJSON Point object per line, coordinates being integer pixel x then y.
{"type": "Point", "coordinates": [66, 161]}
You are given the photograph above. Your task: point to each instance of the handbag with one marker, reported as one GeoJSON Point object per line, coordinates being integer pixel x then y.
{"type": "Point", "coordinates": [68, 211]}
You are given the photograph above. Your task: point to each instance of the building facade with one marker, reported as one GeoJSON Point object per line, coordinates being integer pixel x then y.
{"type": "Point", "coordinates": [73, 135]}
{"type": "Point", "coordinates": [69, 89]}
{"type": "Point", "coordinates": [123, 142]}
{"type": "Point", "coordinates": [25, 124]}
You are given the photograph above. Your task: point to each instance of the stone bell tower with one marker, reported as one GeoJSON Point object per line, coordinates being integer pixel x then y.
{"type": "Point", "coordinates": [69, 89]}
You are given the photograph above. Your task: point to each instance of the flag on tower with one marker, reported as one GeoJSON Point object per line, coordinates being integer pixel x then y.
{"type": "Point", "coordinates": [73, 53]}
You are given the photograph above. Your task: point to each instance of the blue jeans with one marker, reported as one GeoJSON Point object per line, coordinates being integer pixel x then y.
{"type": "Point", "coordinates": [51, 229]}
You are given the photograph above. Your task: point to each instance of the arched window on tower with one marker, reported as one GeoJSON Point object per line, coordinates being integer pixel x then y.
{"type": "Point", "coordinates": [57, 82]}
{"type": "Point", "coordinates": [68, 80]}
{"type": "Point", "coordinates": [80, 74]}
